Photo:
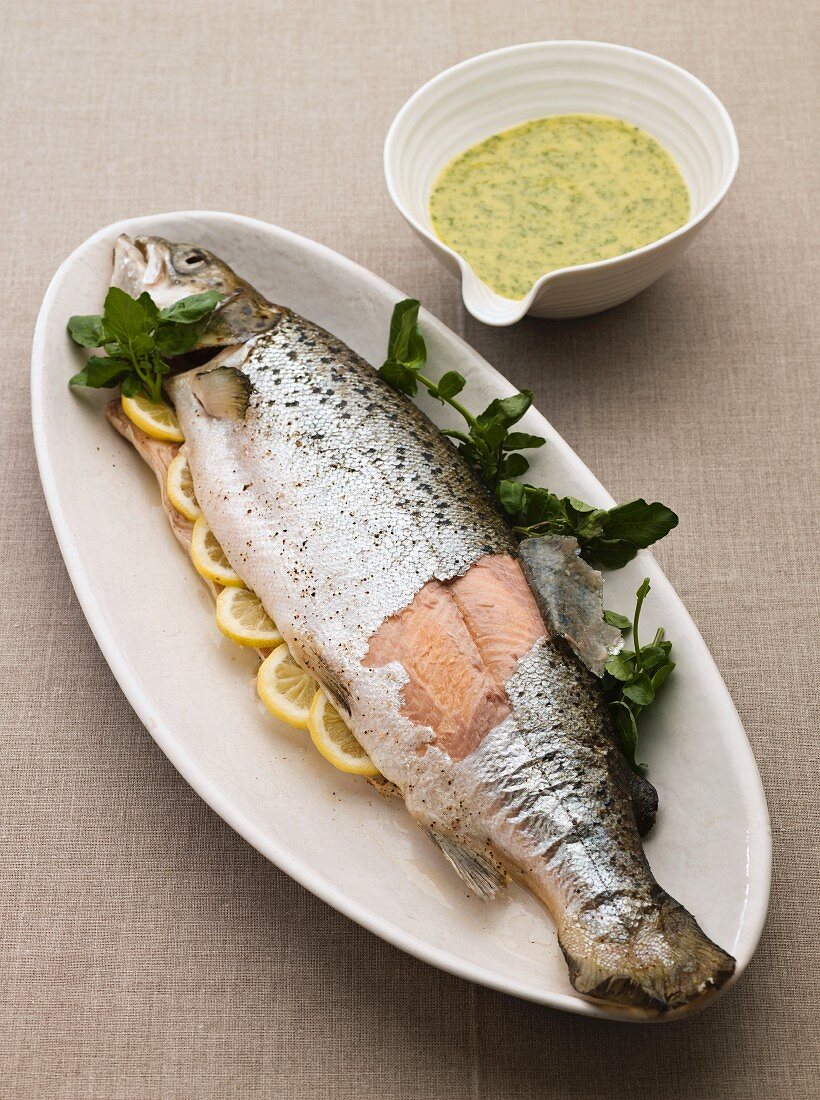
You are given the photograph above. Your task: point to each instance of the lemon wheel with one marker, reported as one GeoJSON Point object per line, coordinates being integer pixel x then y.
{"type": "Point", "coordinates": [180, 487]}
{"type": "Point", "coordinates": [242, 618]}
{"type": "Point", "coordinates": [285, 688]}
{"type": "Point", "coordinates": [331, 736]}
{"type": "Point", "coordinates": [209, 557]}
{"type": "Point", "coordinates": [155, 418]}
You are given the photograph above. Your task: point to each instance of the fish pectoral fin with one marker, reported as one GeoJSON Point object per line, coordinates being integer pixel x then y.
{"type": "Point", "coordinates": [223, 392]}
{"type": "Point", "coordinates": [479, 872]}
{"type": "Point", "coordinates": [339, 695]}
{"type": "Point", "coordinates": [312, 662]}
{"type": "Point", "coordinates": [569, 594]}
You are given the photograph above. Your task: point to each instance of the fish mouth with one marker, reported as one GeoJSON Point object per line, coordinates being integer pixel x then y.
{"type": "Point", "coordinates": [130, 263]}
{"type": "Point", "coordinates": [141, 261]}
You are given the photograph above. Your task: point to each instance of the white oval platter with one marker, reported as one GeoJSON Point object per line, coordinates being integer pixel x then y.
{"type": "Point", "coordinates": [192, 689]}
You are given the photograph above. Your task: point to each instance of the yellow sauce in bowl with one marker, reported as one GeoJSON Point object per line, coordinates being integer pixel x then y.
{"type": "Point", "coordinates": [556, 192]}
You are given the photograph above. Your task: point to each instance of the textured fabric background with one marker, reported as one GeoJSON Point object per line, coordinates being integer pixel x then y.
{"type": "Point", "coordinates": [147, 951]}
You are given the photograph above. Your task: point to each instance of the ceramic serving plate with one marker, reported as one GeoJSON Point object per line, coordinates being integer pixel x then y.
{"type": "Point", "coordinates": [193, 689]}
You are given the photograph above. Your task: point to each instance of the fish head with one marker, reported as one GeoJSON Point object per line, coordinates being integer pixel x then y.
{"type": "Point", "coordinates": [169, 271]}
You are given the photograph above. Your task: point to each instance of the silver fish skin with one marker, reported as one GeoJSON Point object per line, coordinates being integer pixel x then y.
{"type": "Point", "coordinates": [338, 502]}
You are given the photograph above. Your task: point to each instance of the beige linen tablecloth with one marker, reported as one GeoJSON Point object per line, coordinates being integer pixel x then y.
{"type": "Point", "coordinates": [147, 951]}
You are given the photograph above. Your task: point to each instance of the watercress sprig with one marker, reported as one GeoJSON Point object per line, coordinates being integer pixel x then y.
{"type": "Point", "coordinates": [488, 445]}
{"type": "Point", "coordinates": [138, 338]}
{"type": "Point", "coordinates": [634, 677]}
{"type": "Point", "coordinates": [608, 537]}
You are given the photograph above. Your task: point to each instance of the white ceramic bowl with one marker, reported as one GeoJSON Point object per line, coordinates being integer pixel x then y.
{"type": "Point", "coordinates": [494, 91]}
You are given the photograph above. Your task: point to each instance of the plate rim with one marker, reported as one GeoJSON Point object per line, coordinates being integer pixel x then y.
{"type": "Point", "coordinates": [759, 845]}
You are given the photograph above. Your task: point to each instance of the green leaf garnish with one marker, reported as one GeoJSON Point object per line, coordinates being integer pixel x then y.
{"type": "Point", "coordinates": [100, 371]}
{"type": "Point", "coordinates": [660, 676]}
{"type": "Point", "coordinates": [131, 386]}
{"type": "Point", "coordinates": [450, 385]}
{"type": "Point", "coordinates": [522, 441]}
{"type": "Point", "coordinates": [175, 338]}
{"type": "Point", "coordinates": [628, 731]}
{"type": "Point", "coordinates": [619, 621]}
{"type": "Point", "coordinates": [609, 553]}
{"type": "Point", "coordinates": [126, 319]}
{"type": "Point", "coordinates": [400, 377]}
{"type": "Point", "coordinates": [621, 666]}
{"type": "Point", "coordinates": [639, 522]}
{"type": "Point", "coordinates": [191, 310]}
{"type": "Point", "coordinates": [639, 690]}
{"type": "Point", "coordinates": [506, 410]}
{"type": "Point", "coordinates": [513, 465]}
{"type": "Point", "coordinates": [138, 338]}
{"type": "Point", "coordinates": [511, 495]}
{"type": "Point", "coordinates": [406, 344]}
{"type": "Point", "coordinates": [86, 331]}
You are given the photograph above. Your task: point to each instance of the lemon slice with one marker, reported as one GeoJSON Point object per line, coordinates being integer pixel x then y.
{"type": "Point", "coordinates": [154, 417]}
{"type": "Point", "coordinates": [242, 618]}
{"type": "Point", "coordinates": [209, 557]}
{"type": "Point", "coordinates": [333, 739]}
{"type": "Point", "coordinates": [285, 688]}
{"type": "Point", "coordinates": [180, 487]}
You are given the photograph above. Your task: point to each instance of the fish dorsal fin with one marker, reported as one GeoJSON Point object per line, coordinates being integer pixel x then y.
{"type": "Point", "coordinates": [570, 595]}
{"type": "Point", "coordinates": [479, 872]}
{"type": "Point", "coordinates": [223, 392]}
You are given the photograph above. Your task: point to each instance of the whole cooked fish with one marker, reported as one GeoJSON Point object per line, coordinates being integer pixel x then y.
{"type": "Point", "coordinates": [396, 583]}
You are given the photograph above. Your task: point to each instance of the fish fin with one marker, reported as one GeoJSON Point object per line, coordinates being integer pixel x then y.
{"type": "Point", "coordinates": [223, 392]}
{"type": "Point", "coordinates": [385, 788]}
{"type": "Point", "coordinates": [569, 593]}
{"type": "Point", "coordinates": [644, 801]}
{"type": "Point", "coordinates": [313, 663]}
{"type": "Point", "coordinates": [338, 693]}
{"type": "Point", "coordinates": [676, 962]}
{"type": "Point", "coordinates": [479, 872]}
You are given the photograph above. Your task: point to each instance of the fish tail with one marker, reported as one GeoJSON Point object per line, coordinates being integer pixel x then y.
{"type": "Point", "coordinates": [667, 963]}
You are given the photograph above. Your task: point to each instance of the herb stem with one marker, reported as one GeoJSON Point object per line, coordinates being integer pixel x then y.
{"type": "Point", "coordinates": [431, 387]}
{"type": "Point", "coordinates": [545, 523]}
{"type": "Point", "coordinates": [642, 591]}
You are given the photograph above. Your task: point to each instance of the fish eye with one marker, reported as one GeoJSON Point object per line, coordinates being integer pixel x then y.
{"type": "Point", "coordinates": [193, 258]}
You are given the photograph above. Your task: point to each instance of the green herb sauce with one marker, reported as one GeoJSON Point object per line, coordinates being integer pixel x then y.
{"type": "Point", "coordinates": [553, 193]}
